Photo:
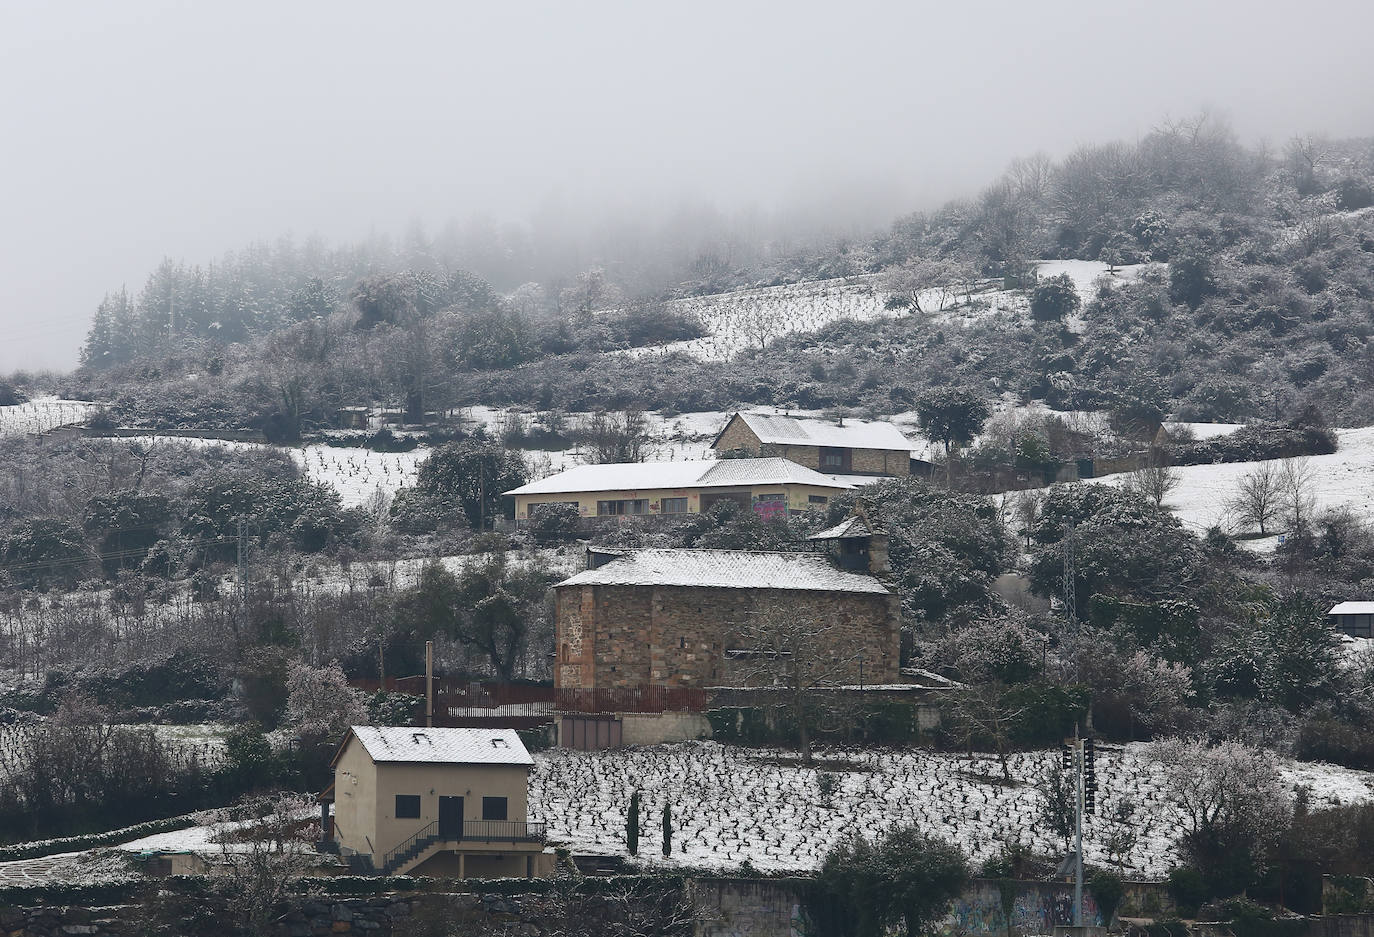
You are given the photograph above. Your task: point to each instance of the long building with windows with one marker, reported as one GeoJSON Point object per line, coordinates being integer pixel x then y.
{"type": "Point", "coordinates": [769, 487]}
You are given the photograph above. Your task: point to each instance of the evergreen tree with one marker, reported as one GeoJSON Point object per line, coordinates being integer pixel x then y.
{"type": "Point", "coordinates": [667, 830]}
{"type": "Point", "coordinates": [632, 825]}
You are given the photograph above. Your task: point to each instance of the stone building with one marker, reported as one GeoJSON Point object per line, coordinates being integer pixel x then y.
{"type": "Point", "coordinates": [672, 618]}
{"type": "Point", "coordinates": [844, 447]}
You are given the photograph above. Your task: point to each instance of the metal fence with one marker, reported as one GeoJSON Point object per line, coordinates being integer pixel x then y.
{"type": "Point", "coordinates": [645, 698]}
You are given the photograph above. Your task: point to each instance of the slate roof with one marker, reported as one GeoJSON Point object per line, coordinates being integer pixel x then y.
{"type": "Point", "coordinates": [443, 746]}
{"type": "Point", "coordinates": [1352, 608]}
{"type": "Point", "coordinates": [849, 527]}
{"type": "Point", "coordinates": [727, 569]}
{"type": "Point", "coordinates": [800, 431]}
{"type": "Point", "coordinates": [699, 473]}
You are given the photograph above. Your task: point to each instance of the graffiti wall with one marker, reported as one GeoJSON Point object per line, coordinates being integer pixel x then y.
{"type": "Point", "coordinates": [732, 907]}
{"type": "Point", "coordinates": [1033, 908]}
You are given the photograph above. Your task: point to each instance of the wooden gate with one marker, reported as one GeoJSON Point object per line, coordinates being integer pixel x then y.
{"type": "Point", "coordinates": [589, 733]}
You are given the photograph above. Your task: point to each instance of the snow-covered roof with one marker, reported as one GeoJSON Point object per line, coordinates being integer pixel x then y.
{"type": "Point", "coordinates": [1352, 608]}
{"type": "Point", "coordinates": [699, 473]}
{"type": "Point", "coordinates": [443, 746]}
{"type": "Point", "coordinates": [800, 431]}
{"type": "Point", "coordinates": [726, 569]}
{"type": "Point", "coordinates": [849, 527]}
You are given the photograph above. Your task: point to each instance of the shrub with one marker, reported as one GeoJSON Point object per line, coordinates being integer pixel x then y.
{"type": "Point", "coordinates": [1054, 298]}
{"type": "Point", "coordinates": [1257, 442]}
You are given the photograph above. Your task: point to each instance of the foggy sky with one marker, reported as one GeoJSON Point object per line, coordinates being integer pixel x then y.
{"type": "Point", "coordinates": [130, 131]}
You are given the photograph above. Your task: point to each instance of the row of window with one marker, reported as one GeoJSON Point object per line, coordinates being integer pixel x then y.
{"type": "Point", "coordinates": [408, 807]}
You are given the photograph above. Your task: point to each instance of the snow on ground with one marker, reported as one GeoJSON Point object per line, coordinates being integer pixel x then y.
{"type": "Point", "coordinates": [41, 415]}
{"type": "Point", "coordinates": [1343, 479]}
{"type": "Point", "coordinates": [357, 474]}
{"type": "Point", "coordinates": [732, 804]}
{"type": "Point", "coordinates": [744, 319]}
{"type": "Point", "coordinates": [323, 576]}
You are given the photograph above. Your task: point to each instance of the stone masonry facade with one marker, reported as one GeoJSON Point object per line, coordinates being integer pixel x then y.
{"type": "Point", "coordinates": [738, 435]}
{"type": "Point", "coordinates": [613, 636]}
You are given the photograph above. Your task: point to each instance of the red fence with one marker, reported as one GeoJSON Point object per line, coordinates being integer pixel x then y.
{"type": "Point", "coordinates": [639, 699]}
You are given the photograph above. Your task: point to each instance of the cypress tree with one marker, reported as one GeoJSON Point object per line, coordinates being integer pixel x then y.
{"type": "Point", "coordinates": [632, 825]}
{"type": "Point", "coordinates": [667, 831]}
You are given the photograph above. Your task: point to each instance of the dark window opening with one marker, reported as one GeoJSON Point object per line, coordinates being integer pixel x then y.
{"type": "Point", "coordinates": [407, 806]}
{"type": "Point", "coordinates": [493, 808]}
{"type": "Point", "coordinates": [835, 460]}
{"type": "Point", "coordinates": [674, 506]}
{"type": "Point", "coordinates": [817, 499]}
{"type": "Point", "coordinates": [615, 508]}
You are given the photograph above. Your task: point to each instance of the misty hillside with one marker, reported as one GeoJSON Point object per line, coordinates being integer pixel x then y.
{"type": "Point", "coordinates": [1254, 299]}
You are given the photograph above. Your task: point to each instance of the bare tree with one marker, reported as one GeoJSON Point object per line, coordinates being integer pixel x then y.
{"type": "Point", "coordinates": [794, 653]}
{"type": "Point", "coordinates": [618, 909]}
{"type": "Point", "coordinates": [612, 438]}
{"type": "Point", "coordinates": [1153, 481]}
{"type": "Point", "coordinates": [266, 853]}
{"type": "Point", "coordinates": [983, 715]}
{"type": "Point", "coordinates": [1259, 498]}
{"type": "Point", "coordinates": [934, 283]}
{"type": "Point", "coordinates": [1296, 479]}
{"type": "Point", "coordinates": [1028, 512]}
{"type": "Point", "coordinates": [1228, 787]}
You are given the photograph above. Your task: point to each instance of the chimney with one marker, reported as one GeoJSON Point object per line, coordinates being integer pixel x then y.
{"type": "Point", "coordinates": [878, 563]}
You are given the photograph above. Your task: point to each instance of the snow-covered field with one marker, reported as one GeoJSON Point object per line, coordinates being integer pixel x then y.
{"type": "Point", "coordinates": [745, 319]}
{"type": "Point", "coordinates": [732, 804]}
{"type": "Point", "coordinates": [42, 415]}
{"type": "Point", "coordinates": [355, 473]}
{"type": "Point", "coordinates": [1343, 479]}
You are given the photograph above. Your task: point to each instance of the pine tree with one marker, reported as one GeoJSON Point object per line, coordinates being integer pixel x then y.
{"type": "Point", "coordinates": [632, 825]}
{"type": "Point", "coordinates": [667, 831]}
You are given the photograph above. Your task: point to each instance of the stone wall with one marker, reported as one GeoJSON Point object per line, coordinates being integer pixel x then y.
{"type": "Point", "coordinates": [658, 728]}
{"type": "Point", "coordinates": [718, 906]}
{"type": "Point", "coordinates": [738, 435]}
{"type": "Point", "coordinates": [626, 636]}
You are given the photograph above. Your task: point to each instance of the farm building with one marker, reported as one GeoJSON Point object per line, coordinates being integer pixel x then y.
{"type": "Point", "coordinates": [672, 618]}
{"type": "Point", "coordinates": [769, 487]}
{"type": "Point", "coordinates": [1353, 618]}
{"type": "Point", "coordinates": [443, 802]}
{"type": "Point", "coordinates": [853, 447]}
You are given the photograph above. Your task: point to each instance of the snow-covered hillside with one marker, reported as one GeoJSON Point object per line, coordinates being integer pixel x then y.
{"type": "Point", "coordinates": [745, 319]}
{"type": "Point", "coordinates": [1343, 479]}
{"type": "Point", "coordinates": [731, 804]}
{"type": "Point", "coordinates": [42, 415]}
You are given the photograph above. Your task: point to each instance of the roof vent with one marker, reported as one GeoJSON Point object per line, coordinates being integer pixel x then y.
{"type": "Point", "coordinates": [500, 743]}
{"type": "Point", "coordinates": [418, 737]}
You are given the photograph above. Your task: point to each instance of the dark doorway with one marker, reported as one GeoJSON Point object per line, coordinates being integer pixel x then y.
{"type": "Point", "coordinates": [451, 817]}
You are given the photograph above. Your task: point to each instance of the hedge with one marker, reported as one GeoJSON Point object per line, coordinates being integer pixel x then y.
{"type": "Point", "coordinates": [51, 847]}
{"type": "Point", "coordinates": [1257, 442]}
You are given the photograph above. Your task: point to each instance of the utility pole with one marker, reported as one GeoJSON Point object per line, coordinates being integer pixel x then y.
{"type": "Point", "coordinates": [1080, 755]}
{"type": "Point", "coordinates": [429, 684]}
{"type": "Point", "coordinates": [243, 560]}
{"type": "Point", "coordinates": [1070, 586]}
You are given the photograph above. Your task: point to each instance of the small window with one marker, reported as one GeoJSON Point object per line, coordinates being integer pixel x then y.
{"type": "Point", "coordinates": [407, 806]}
{"type": "Point", "coordinates": [817, 499]}
{"type": "Point", "coordinates": [674, 506]}
{"type": "Point", "coordinates": [494, 808]}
